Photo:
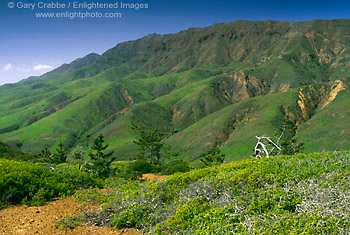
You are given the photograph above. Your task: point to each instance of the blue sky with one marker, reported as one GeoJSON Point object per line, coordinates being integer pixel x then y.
{"type": "Point", "coordinates": [32, 46]}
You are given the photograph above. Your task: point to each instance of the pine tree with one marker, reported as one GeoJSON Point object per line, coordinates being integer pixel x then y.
{"type": "Point", "coordinates": [101, 161]}
{"type": "Point", "coordinates": [55, 158]}
{"type": "Point", "coordinates": [150, 143]}
{"type": "Point", "coordinates": [213, 157]}
{"type": "Point", "coordinates": [60, 156]}
{"type": "Point", "coordinates": [288, 142]}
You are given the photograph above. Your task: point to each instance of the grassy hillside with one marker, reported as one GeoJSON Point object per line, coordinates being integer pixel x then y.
{"type": "Point", "coordinates": [222, 84]}
{"type": "Point", "coordinates": [336, 115]}
{"type": "Point", "coordinates": [235, 126]}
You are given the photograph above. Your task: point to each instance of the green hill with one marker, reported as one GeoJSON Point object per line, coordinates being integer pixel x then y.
{"type": "Point", "coordinates": [11, 153]}
{"type": "Point", "coordinates": [223, 84]}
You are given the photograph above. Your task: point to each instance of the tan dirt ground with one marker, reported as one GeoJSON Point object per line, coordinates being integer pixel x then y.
{"type": "Point", "coordinates": [153, 177]}
{"type": "Point", "coordinates": [40, 220]}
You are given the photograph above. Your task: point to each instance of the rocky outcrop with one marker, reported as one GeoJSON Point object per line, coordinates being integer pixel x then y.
{"type": "Point", "coordinates": [238, 86]}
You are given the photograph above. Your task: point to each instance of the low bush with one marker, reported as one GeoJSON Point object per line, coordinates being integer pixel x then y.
{"type": "Point", "coordinates": [34, 184]}
{"type": "Point", "coordinates": [286, 194]}
{"type": "Point", "coordinates": [174, 166]}
{"type": "Point", "coordinates": [69, 222]}
{"type": "Point", "coordinates": [143, 167]}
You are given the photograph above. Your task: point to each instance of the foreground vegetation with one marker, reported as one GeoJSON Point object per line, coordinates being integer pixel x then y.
{"type": "Point", "coordinates": [301, 193]}
{"type": "Point", "coordinates": [285, 195]}
{"type": "Point", "coordinates": [34, 184]}
{"type": "Point", "coordinates": [34, 180]}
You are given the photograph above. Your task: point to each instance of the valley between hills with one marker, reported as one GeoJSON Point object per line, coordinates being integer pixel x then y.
{"type": "Point", "coordinates": [189, 105]}
{"type": "Point", "coordinates": [203, 86]}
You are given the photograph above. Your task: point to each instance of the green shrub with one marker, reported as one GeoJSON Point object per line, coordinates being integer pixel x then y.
{"type": "Point", "coordinates": [34, 184]}
{"type": "Point", "coordinates": [143, 167]}
{"type": "Point", "coordinates": [299, 194]}
{"type": "Point", "coordinates": [174, 166]}
{"type": "Point", "coordinates": [69, 222]}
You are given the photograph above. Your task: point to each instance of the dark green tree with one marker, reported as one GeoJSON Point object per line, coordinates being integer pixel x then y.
{"type": "Point", "coordinates": [45, 155]}
{"type": "Point", "coordinates": [288, 140]}
{"type": "Point", "coordinates": [150, 143]}
{"type": "Point", "coordinates": [55, 158]}
{"type": "Point", "coordinates": [213, 157]}
{"type": "Point", "coordinates": [61, 155]}
{"type": "Point", "coordinates": [100, 160]}
{"type": "Point", "coordinates": [79, 154]}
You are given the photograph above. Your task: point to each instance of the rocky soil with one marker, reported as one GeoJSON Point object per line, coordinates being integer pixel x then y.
{"type": "Point", "coordinates": [41, 220]}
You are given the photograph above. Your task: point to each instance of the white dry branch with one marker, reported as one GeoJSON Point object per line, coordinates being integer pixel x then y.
{"type": "Point", "coordinates": [265, 146]}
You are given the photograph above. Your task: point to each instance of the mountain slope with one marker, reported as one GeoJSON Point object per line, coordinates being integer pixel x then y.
{"type": "Point", "coordinates": [222, 84]}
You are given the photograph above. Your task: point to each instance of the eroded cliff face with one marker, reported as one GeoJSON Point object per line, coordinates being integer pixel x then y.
{"type": "Point", "coordinates": [336, 87]}
{"type": "Point", "coordinates": [237, 86]}
{"type": "Point", "coordinates": [230, 88]}
{"type": "Point", "coordinates": [313, 98]}
{"type": "Point", "coordinates": [308, 101]}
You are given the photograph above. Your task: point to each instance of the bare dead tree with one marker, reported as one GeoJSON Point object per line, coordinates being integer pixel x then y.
{"type": "Point", "coordinates": [265, 147]}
